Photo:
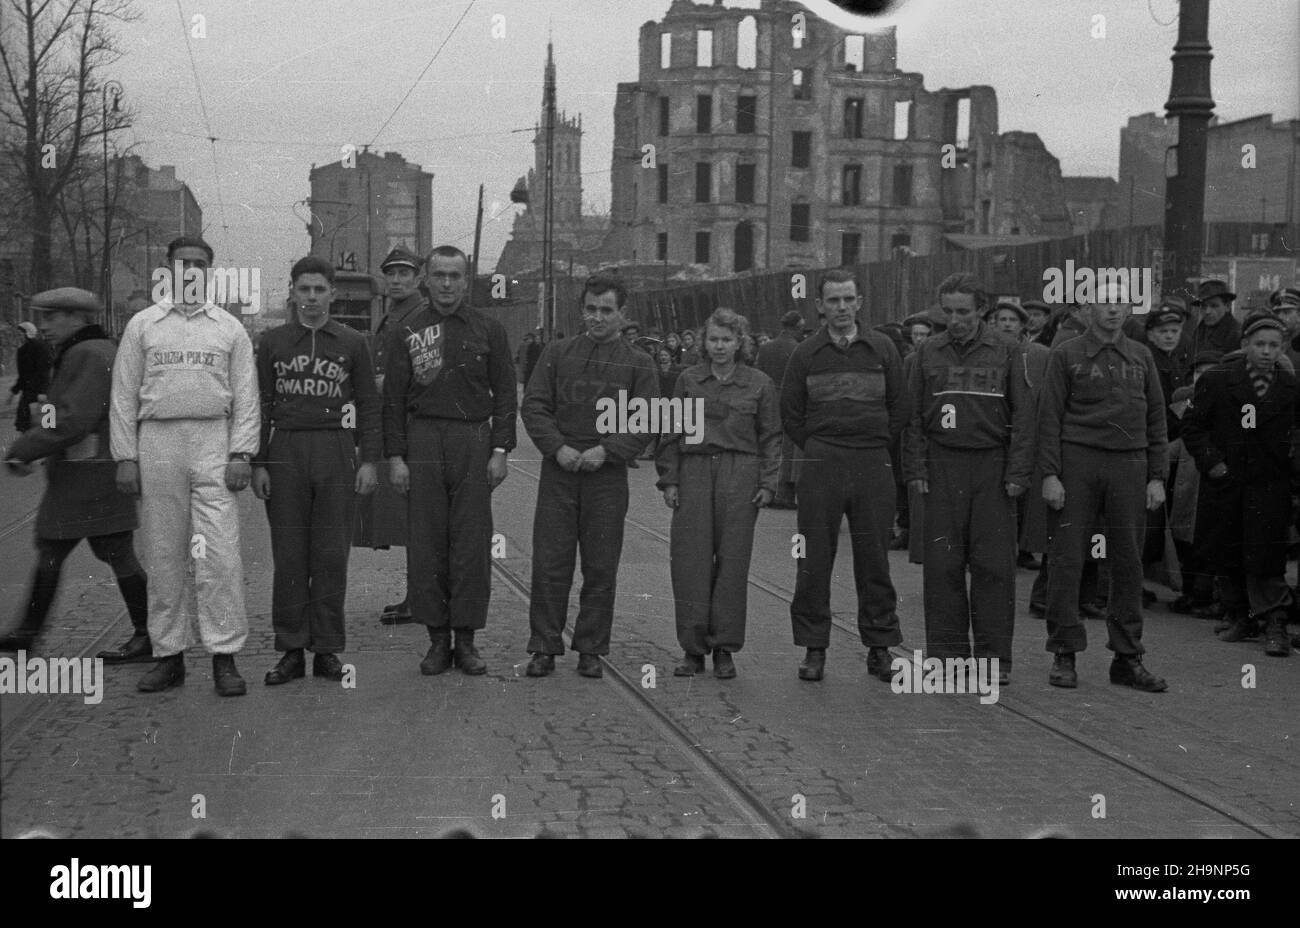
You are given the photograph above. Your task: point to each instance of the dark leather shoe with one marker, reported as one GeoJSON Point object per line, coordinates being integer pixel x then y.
{"type": "Point", "coordinates": [1037, 611]}
{"type": "Point", "coordinates": [134, 650]}
{"type": "Point", "coordinates": [466, 656]}
{"type": "Point", "coordinates": [879, 664]}
{"type": "Point", "coordinates": [589, 666]}
{"type": "Point", "coordinates": [691, 665]}
{"type": "Point", "coordinates": [1240, 628]}
{"type": "Point", "coordinates": [396, 614]}
{"type": "Point", "coordinates": [438, 659]}
{"type": "Point", "coordinates": [1063, 673]}
{"type": "Point", "coordinates": [1128, 671]}
{"type": "Point", "coordinates": [542, 665]}
{"type": "Point", "coordinates": [168, 672]}
{"type": "Point", "coordinates": [226, 677]}
{"type": "Point", "coordinates": [1277, 643]}
{"type": "Point", "coordinates": [814, 665]}
{"type": "Point", "coordinates": [724, 668]}
{"type": "Point", "coordinates": [328, 666]}
{"type": "Point", "coordinates": [292, 665]}
{"type": "Point", "coordinates": [1092, 611]}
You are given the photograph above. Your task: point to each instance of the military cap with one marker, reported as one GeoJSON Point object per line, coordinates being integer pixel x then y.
{"type": "Point", "coordinates": [1261, 320]}
{"type": "Point", "coordinates": [1209, 289]}
{"type": "Point", "coordinates": [1286, 298]}
{"type": "Point", "coordinates": [1174, 303]}
{"type": "Point", "coordinates": [67, 299]}
{"type": "Point", "coordinates": [400, 257]}
{"type": "Point", "coordinates": [1163, 316]}
{"type": "Point", "coordinates": [1207, 357]}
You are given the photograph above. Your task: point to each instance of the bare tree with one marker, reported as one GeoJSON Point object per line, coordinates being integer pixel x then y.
{"type": "Point", "coordinates": [52, 57]}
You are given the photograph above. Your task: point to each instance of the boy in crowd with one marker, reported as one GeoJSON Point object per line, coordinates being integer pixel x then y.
{"type": "Point", "coordinates": [1242, 430]}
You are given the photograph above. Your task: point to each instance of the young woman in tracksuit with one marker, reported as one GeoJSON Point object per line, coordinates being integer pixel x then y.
{"type": "Point", "coordinates": [715, 489]}
{"type": "Point", "coordinates": [318, 398]}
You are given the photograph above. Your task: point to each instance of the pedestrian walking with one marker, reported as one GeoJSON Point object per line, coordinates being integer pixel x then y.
{"type": "Point", "coordinates": [33, 362]}
{"type": "Point", "coordinates": [319, 402]}
{"type": "Point", "coordinates": [844, 401]}
{"type": "Point", "coordinates": [968, 450]}
{"type": "Point", "coordinates": [583, 493]}
{"type": "Point", "coordinates": [81, 498]}
{"type": "Point", "coordinates": [1242, 430]}
{"type": "Point", "coordinates": [184, 428]}
{"type": "Point", "coordinates": [1102, 449]}
{"type": "Point", "coordinates": [449, 423]}
{"type": "Point", "coordinates": [715, 489]}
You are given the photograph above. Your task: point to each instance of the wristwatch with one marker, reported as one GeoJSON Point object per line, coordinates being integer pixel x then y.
{"type": "Point", "coordinates": [241, 455]}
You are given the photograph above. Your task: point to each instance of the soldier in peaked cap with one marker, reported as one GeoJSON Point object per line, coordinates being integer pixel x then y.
{"type": "Point", "coordinates": [381, 522]}
{"type": "Point", "coordinates": [81, 497]}
{"type": "Point", "coordinates": [1285, 304]}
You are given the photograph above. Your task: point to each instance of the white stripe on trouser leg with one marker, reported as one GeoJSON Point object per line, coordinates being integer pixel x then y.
{"type": "Point", "coordinates": [183, 493]}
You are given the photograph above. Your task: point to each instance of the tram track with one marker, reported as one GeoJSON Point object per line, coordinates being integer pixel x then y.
{"type": "Point", "coordinates": [1024, 712]}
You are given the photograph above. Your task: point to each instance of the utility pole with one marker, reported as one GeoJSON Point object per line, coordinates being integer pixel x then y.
{"type": "Point", "coordinates": [1190, 102]}
{"type": "Point", "coordinates": [106, 262]}
{"type": "Point", "coordinates": [478, 238]}
{"type": "Point", "coordinates": [548, 219]}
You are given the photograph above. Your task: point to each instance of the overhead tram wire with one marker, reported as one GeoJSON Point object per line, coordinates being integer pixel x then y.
{"type": "Point", "coordinates": [207, 124]}
{"type": "Point", "coordinates": [408, 93]}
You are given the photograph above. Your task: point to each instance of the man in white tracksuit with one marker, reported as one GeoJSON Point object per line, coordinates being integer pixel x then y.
{"type": "Point", "coordinates": [184, 425]}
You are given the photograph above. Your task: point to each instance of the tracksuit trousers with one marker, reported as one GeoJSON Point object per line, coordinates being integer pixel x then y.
{"type": "Point", "coordinates": [712, 540]}
{"type": "Point", "coordinates": [189, 523]}
{"type": "Point", "coordinates": [584, 512]}
{"type": "Point", "coordinates": [311, 510]}
{"type": "Point", "coordinates": [1105, 495]}
{"type": "Point", "coordinates": [449, 516]}
{"type": "Point", "coordinates": [970, 522]}
{"type": "Point", "coordinates": [859, 482]}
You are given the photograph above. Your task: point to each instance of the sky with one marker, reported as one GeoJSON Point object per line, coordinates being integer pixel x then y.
{"type": "Point", "coordinates": [287, 84]}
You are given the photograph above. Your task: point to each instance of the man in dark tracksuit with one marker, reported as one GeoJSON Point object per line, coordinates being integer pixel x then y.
{"type": "Point", "coordinates": [1102, 451]}
{"type": "Point", "coordinates": [81, 498]}
{"type": "Point", "coordinates": [773, 357]}
{"type": "Point", "coordinates": [33, 375]}
{"type": "Point", "coordinates": [381, 522]}
{"type": "Point", "coordinates": [582, 497]}
{"type": "Point", "coordinates": [968, 448]}
{"type": "Point", "coordinates": [843, 402]}
{"type": "Point", "coordinates": [317, 396]}
{"type": "Point", "coordinates": [1242, 430]}
{"type": "Point", "coordinates": [449, 422]}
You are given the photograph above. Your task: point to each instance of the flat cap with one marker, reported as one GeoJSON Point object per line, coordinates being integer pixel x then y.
{"type": "Point", "coordinates": [398, 257]}
{"type": "Point", "coordinates": [1039, 305]}
{"type": "Point", "coordinates": [1207, 357]}
{"type": "Point", "coordinates": [1014, 307]}
{"type": "Point", "coordinates": [792, 320]}
{"type": "Point", "coordinates": [1261, 320]}
{"type": "Point", "coordinates": [67, 299]}
{"type": "Point", "coordinates": [1163, 316]}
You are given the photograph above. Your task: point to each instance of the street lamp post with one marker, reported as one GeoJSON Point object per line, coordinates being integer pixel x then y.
{"type": "Point", "coordinates": [1190, 102]}
{"type": "Point", "coordinates": [106, 264]}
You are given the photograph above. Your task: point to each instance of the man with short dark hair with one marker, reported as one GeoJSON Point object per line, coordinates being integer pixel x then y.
{"type": "Point", "coordinates": [843, 402]}
{"type": "Point", "coordinates": [81, 499]}
{"type": "Point", "coordinates": [583, 494]}
{"type": "Point", "coordinates": [184, 428]}
{"type": "Point", "coordinates": [1102, 449]}
{"type": "Point", "coordinates": [319, 402]}
{"type": "Point", "coordinates": [449, 423]}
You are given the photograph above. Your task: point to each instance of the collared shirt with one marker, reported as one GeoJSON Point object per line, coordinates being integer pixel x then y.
{"type": "Point", "coordinates": [318, 379]}
{"type": "Point", "coordinates": [853, 397]}
{"type": "Point", "coordinates": [741, 414]}
{"type": "Point", "coordinates": [1103, 395]}
{"type": "Point", "coordinates": [454, 366]}
{"type": "Point", "coordinates": [178, 362]}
